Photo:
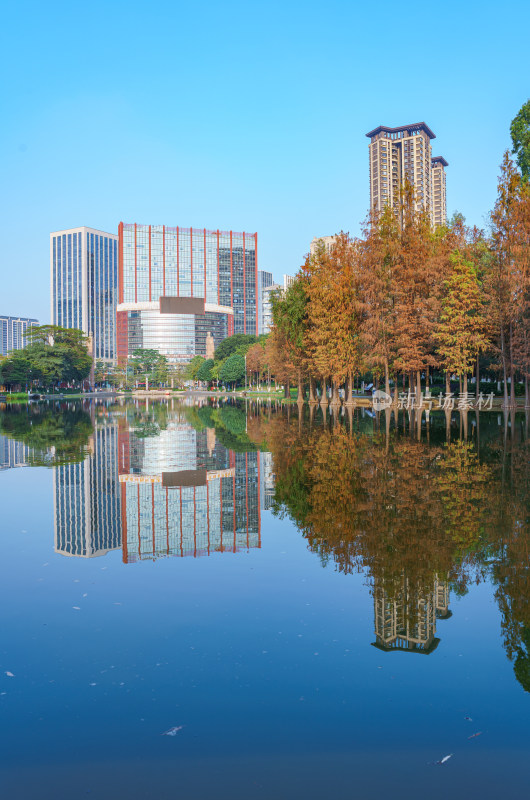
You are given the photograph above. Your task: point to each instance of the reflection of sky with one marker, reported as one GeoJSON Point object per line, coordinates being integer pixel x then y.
{"type": "Point", "coordinates": [264, 658]}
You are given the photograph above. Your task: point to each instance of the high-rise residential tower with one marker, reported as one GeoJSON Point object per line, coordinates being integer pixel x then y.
{"type": "Point", "coordinates": [13, 333]}
{"type": "Point", "coordinates": [439, 205]}
{"type": "Point", "coordinates": [179, 284]}
{"type": "Point", "coordinates": [404, 154]}
{"type": "Point", "coordinates": [84, 285]}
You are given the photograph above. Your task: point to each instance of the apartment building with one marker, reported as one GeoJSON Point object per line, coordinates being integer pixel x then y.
{"type": "Point", "coordinates": [401, 155]}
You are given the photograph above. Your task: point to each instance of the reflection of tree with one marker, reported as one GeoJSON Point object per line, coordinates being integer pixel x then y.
{"type": "Point", "coordinates": [416, 515]}
{"type": "Point", "coordinates": [229, 422]}
{"type": "Point", "coordinates": [511, 565]}
{"type": "Point", "coordinates": [148, 421]}
{"type": "Point", "coordinates": [55, 436]}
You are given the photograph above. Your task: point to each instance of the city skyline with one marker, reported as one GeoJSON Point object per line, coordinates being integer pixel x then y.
{"type": "Point", "coordinates": [268, 162]}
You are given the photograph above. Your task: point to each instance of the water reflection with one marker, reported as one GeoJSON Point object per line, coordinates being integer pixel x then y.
{"type": "Point", "coordinates": [423, 508]}
{"type": "Point", "coordinates": [183, 492]}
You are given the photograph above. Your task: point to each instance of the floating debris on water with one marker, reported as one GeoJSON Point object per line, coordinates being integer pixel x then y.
{"type": "Point", "coordinates": [10, 674]}
{"type": "Point", "coordinates": [473, 735]}
{"type": "Point", "coordinates": [172, 731]}
{"type": "Point", "coordinates": [443, 760]}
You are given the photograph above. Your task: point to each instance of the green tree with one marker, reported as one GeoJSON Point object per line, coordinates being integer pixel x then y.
{"type": "Point", "coordinates": [150, 363]}
{"type": "Point", "coordinates": [53, 354]}
{"type": "Point", "coordinates": [234, 343]}
{"type": "Point", "coordinates": [461, 331]}
{"type": "Point", "coordinates": [204, 373]}
{"type": "Point", "coordinates": [191, 369]}
{"type": "Point", "coordinates": [520, 133]}
{"type": "Point", "coordinates": [15, 370]}
{"type": "Point", "coordinates": [233, 369]}
{"type": "Point", "coordinates": [289, 313]}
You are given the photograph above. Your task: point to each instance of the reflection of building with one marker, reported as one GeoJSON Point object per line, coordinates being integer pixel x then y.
{"type": "Point", "coordinates": [87, 500]}
{"type": "Point", "coordinates": [406, 619]}
{"type": "Point", "coordinates": [399, 155]}
{"type": "Point", "coordinates": [84, 285]}
{"type": "Point", "coordinates": [267, 479]}
{"type": "Point", "coordinates": [178, 284]}
{"type": "Point", "coordinates": [183, 493]}
{"type": "Point", "coordinates": [13, 333]}
{"type": "Point", "coordinates": [13, 453]}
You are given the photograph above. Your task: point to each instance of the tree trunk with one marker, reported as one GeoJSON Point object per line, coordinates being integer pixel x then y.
{"type": "Point", "coordinates": [477, 378]}
{"type": "Point", "coordinates": [311, 389]}
{"type": "Point", "coordinates": [287, 389]}
{"type": "Point", "coordinates": [349, 398]}
{"type": "Point", "coordinates": [447, 383]}
{"type": "Point", "coordinates": [512, 376]}
{"type": "Point", "coordinates": [503, 356]}
{"type": "Point", "coordinates": [300, 398]}
{"type": "Point", "coordinates": [465, 382]}
{"type": "Point", "coordinates": [418, 388]}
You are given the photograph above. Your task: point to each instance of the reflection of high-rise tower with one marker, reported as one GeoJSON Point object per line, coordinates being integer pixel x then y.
{"type": "Point", "coordinates": [87, 500]}
{"type": "Point", "coordinates": [13, 453]}
{"type": "Point", "coordinates": [267, 480]}
{"type": "Point", "coordinates": [406, 618]}
{"type": "Point", "coordinates": [184, 493]}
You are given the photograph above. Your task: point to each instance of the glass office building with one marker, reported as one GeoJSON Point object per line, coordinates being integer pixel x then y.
{"type": "Point", "coordinates": [84, 285]}
{"type": "Point", "coordinates": [178, 284]}
{"type": "Point", "coordinates": [13, 333]}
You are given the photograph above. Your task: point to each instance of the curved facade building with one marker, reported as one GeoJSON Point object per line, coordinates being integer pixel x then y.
{"type": "Point", "coordinates": [178, 336]}
{"type": "Point", "coordinates": [177, 285]}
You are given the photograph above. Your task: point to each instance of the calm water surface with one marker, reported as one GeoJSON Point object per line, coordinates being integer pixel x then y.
{"type": "Point", "coordinates": [323, 607]}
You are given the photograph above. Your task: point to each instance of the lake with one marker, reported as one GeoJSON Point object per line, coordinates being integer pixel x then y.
{"type": "Point", "coordinates": [244, 600]}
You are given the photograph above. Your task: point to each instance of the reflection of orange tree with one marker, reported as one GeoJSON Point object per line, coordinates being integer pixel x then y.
{"type": "Point", "coordinates": [416, 516]}
{"type": "Point", "coordinates": [511, 546]}
{"type": "Point", "coordinates": [462, 482]}
{"type": "Point", "coordinates": [362, 501]}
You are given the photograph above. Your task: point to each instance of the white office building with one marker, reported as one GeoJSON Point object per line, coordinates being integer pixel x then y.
{"type": "Point", "coordinates": [84, 285]}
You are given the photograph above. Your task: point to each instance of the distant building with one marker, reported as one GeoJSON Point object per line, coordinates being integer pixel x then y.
{"type": "Point", "coordinates": [404, 154]}
{"type": "Point", "coordinates": [267, 305]}
{"type": "Point", "coordinates": [87, 499]}
{"type": "Point", "coordinates": [13, 333]}
{"type": "Point", "coordinates": [179, 284]}
{"type": "Point", "coordinates": [84, 285]}
{"type": "Point", "coordinates": [327, 241]}
{"type": "Point", "coordinates": [264, 281]}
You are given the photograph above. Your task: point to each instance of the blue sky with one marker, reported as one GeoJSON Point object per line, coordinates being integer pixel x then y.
{"type": "Point", "coordinates": [248, 116]}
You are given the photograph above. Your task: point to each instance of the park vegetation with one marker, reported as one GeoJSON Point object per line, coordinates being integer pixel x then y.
{"type": "Point", "coordinates": [52, 356]}
{"type": "Point", "coordinates": [406, 305]}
